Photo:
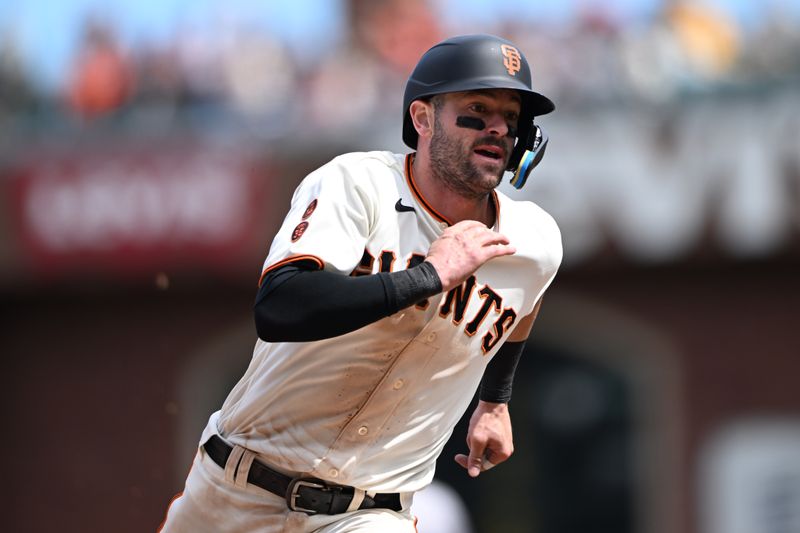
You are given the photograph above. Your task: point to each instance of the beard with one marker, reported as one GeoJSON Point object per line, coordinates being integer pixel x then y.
{"type": "Point", "coordinates": [452, 165]}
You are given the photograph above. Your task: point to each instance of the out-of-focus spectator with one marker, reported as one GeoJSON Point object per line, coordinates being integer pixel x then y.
{"type": "Point", "coordinates": [590, 59]}
{"type": "Point", "coordinates": [654, 64]}
{"type": "Point", "coordinates": [343, 91]}
{"type": "Point", "coordinates": [361, 83]}
{"type": "Point", "coordinates": [259, 73]}
{"type": "Point", "coordinates": [775, 50]}
{"type": "Point", "coordinates": [103, 78]}
{"type": "Point", "coordinates": [398, 32]}
{"type": "Point", "coordinates": [160, 87]}
{"type": "Point", "coordinates": [686, 46]}
{"type": "Point", "coordinates": [708, 37]}
{"type": "Point", "coordinates": [200, 54]}
{"type": "Point", "coordinates": [16, 93]}
{"type": "Point", "coordinates": [209, 66]}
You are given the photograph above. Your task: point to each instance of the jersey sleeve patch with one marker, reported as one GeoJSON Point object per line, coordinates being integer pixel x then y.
{"type": "Point", "coordinates": [310, 209]}
{"type": "Point", "coordinates": [299, 230]}
{"type": "Point", "coordinates": [332, 215]}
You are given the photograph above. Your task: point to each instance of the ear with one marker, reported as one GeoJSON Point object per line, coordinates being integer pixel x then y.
{"type": "Point", "coordinates": [422, 116]}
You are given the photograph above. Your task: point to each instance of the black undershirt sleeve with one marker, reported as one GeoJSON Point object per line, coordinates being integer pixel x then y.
{"type": "Point", "coordinates": [499, 374]}
{"type": "Point", "coordinates": [297, 303]}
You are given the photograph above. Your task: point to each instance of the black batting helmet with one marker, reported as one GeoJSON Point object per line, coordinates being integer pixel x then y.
{"type": "Point", "coordinates": [471, 62]}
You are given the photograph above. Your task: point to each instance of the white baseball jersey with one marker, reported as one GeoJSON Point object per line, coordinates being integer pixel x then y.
{"type": "Point", "coordinates": [373, 408]}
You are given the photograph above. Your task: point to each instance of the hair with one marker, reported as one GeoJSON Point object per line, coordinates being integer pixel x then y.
{"type": "Point", "coordinates": [438, 102]}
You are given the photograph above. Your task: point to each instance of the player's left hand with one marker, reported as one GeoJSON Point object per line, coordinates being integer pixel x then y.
{"type": "Point", "coordinates": [489, 438]}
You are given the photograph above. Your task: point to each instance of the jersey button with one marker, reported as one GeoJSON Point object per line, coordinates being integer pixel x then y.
{"type": "Point", "coordinates": [399, 384]}
{"type": "Point", "coordinates": [431, 336]}
{"type": "Point", "coordinates": [333, 472]}
{"type": "Point", "coordinates": [363, 430]}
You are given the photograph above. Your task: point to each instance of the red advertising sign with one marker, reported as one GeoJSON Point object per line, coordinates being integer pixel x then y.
{"type": "Point", "coordinates": [137, 212]}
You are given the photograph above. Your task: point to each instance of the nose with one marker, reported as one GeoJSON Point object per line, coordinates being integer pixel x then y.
{"type": "Point", "coordinates": [496, 125]}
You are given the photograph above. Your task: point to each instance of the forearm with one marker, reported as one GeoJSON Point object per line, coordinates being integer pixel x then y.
{"type": "Point", "coordinates": [498, 378]}
{"type": "Point", "coordinates": [295, 304]}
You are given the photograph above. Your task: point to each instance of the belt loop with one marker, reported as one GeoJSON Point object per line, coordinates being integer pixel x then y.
{"type": "Point", "coordinates": [232, 464]}
{"type": "Point", "coordinates": [358, 497]}
{"type": "Point", "coordinates": [244, 468]}
{"type": "Point", "coordinates": [406, 499]}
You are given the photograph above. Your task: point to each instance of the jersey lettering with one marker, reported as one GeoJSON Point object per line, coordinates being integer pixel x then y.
{"type": "Point", "coordinates": [501, 325]}
{"type": "Point", "coordinates": [460, 297]}
{"type": "Point", "coordinates": [455, 302]}
{"type": "Point", "coordinates": [493, 300]}
{"type": "Point", "coordinates": [364, 267]}
{"type": "Point", "coordinates": [387, 261]}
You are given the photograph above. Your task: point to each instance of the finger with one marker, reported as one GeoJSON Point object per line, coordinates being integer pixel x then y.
{"type": "Point", "coordinates": [461, 459]}
{"type": "Point", "coordinates": [463, 227]}
{"type": "Point", "coordinates": [481, 229]}
{"type": "Point", "coordinates": [501, 249]}
{"type": "Point", "coordinates": [467, 224]}
{"type": "Point", "coordinates": [490, 237]}
{"type": "Point", "coordinates": [488, 455]}
{"type": "Point", "coordinates": [497, 250]}
{"type": "Point", "coordinates": [475, 460]}
{"type": "Point", "coordinates": [473, 229]}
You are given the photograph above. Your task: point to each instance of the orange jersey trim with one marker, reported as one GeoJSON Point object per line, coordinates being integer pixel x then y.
{"type": "Point", "coordinates": [292, 259]}
{"type": "Point", "coordinates": [496, 209]}
{"type": "Point", "coordinates": [175, 498]}
{"type": "Point", "coordinates": [418, 194]}
{"type": "Point", "coordinates": [166, 514]}
{"type": "Point", "coordinates": [412, 184]}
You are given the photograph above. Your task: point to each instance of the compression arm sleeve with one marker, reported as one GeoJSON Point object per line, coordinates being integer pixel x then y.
{"type": "Point", "coordinates": [499, 375]}
{"type": "Point", "coordinates": [295, 304]}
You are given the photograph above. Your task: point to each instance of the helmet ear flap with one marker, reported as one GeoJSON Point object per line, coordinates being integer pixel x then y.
{"type": "Point", "coordinates": [530, 154]}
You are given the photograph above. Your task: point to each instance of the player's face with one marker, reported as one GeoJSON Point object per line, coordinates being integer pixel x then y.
{"type": "Point", "coordinates": [473, 137]}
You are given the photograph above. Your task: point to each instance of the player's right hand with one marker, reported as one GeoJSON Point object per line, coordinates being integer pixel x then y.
{"type": "Point", "coordinates": [462, 249]}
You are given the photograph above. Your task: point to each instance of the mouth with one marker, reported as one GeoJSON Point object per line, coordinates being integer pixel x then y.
{"type": "Point", "coordinates": [490, 152]}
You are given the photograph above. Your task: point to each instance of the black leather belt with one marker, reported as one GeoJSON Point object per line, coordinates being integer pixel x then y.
{"type": "Point", "coordinates": [306, 495]}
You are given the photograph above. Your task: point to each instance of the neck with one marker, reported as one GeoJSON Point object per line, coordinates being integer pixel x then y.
{"type": "Point", "coordinates": [448, 202]}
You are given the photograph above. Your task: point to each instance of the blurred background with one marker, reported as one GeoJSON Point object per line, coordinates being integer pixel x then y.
{"type": "Point", "coordinates": [149, 149]}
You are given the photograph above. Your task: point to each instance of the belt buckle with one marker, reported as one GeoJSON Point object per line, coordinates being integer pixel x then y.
{"type": "Point", "coordinates": [292, 493]}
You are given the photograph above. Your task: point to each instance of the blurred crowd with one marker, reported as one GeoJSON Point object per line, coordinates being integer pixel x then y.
{"type": "Point", "coordinates": [251, 76]}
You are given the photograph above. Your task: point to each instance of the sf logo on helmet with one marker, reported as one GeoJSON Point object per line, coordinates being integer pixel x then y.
{"type": "Point", "coordinates": [511, 58]}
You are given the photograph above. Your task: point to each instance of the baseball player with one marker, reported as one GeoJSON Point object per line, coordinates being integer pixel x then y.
{"type": "Point", "coordinates": [396, 286]}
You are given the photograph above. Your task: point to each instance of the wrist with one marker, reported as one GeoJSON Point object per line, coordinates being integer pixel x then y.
{"type": "Point", "coordinates": [407, 287]}
{"type": "Point", "coordinates": [492, 406]}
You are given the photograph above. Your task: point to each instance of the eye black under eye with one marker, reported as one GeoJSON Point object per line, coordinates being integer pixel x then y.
{"type": "Point", "coordinates": [470, 122]}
